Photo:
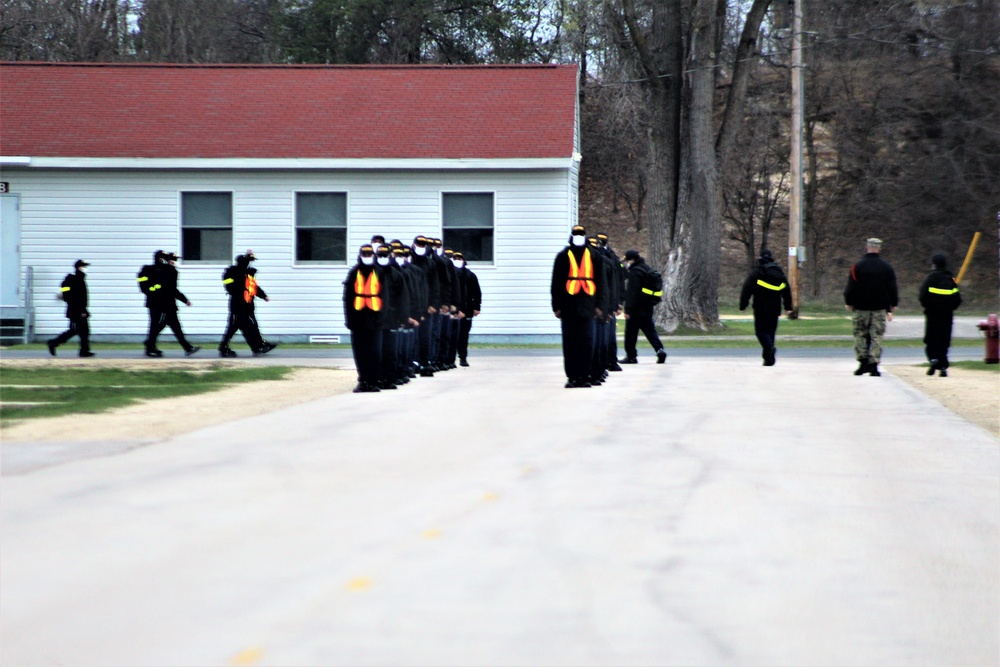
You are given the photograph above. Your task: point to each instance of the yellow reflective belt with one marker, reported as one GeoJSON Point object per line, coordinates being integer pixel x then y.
{"type": "Point", "coordinates": [945, 292]}
{"type": "Point", "coordinates": [227, 281]}
{"type": "Point", "coordinates": [155, 287]}
{"type": "Point", "coordinates": [65, 289]}
{"type": "Point", "coordinates": [646, 290]}
{"type": "Point", "coordinates": [142, 280]}
{"type": "Point", "coordinates": [777, 288]}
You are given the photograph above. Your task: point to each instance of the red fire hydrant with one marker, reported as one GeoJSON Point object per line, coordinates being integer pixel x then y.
{"type": "Point", "coordinates": [991, 329]}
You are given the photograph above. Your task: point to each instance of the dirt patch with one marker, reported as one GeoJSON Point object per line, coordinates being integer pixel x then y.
{"type": "Point", "coordinates": [974, 395]}
{"type": "Point", "coordinates": [181, 414]}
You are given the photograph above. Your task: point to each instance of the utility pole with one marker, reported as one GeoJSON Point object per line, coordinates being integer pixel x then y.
{"type": "Point", "coordinates": [795, 254]}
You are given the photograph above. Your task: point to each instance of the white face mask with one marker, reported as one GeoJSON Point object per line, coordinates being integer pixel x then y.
{"type": "Point", "coordinates": [420, 251]}
{"type": "Point", "coordinates": [82, 270]}
{"type": "Point", "coordinates": [367, 261]}
{"type": "Point", "coordinates": [578, 241]}
{"type": "Point", "coordinates": [439, 251]}
{"type": "Point", "coordinates": [383, 261]}
{"type": "Point", "coordinates": [375, 245]}
{"type": "Point", "coordinates": [458, 263]}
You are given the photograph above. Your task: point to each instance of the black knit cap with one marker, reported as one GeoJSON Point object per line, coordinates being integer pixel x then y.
{"type": "Point", "coordinates": [939, 261]}
{"type": "Point", "coordinates": [632, 255]}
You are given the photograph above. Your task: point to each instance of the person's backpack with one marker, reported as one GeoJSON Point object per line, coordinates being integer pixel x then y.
{"type": "Point", "coordinates": [651, 285]}
{"type": "Point", "coordinates": [145, 278]}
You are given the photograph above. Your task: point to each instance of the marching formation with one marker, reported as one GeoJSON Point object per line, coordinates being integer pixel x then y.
{"type": "Point", "coordinates": [409, 310]}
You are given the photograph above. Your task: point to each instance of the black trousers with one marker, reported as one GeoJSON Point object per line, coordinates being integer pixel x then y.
{"type": "Point", "coordinates": [636, 322]}
{"type": "Point", "coordinates": [600, 359]}
{"type": "Point", "coordinates": [390, 346]}
{"type": "Point", "coordinates": [78, 326]}
{"type": "Point", "coordinates": [577, 345]}
{"type": "Point", "coordinates": [937, 337]}
{"type": "Point", "coordinates": [765, 327]}
{"type": "Point", "coordinates": [159, 319]}
{"type": "Point", "coordinates": [462, 347]}
{"type": "Point", "coordinates": [366, 344]}
{"type": "Point", "coordinates": [246, 323]}
{"type": "Point", "coordinates": [612, 341]}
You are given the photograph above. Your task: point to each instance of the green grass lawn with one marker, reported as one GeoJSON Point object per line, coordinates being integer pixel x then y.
{"type": "Point", "coordinates": [59, 391]}
{"type": "Point", "coordinates": [976, 366]}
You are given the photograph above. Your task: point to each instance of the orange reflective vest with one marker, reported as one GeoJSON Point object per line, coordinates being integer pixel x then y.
{"type": "Point", "coordinates": [366, 292]}
{"type": "Point", "coordinates": [249, 289]}
{"type": "Point", "coordinates": [581, 277]}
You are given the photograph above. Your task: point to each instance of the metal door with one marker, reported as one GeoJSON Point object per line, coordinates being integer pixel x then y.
{"type": "Point", "coordinates": [10, 250]}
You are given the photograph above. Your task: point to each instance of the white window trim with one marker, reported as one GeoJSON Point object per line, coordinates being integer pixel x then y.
{"type": "Point", "coordinates": [294, 228]}
{"type": "Point", "coordinates": [469, 190]}
{"type": "Point", "coordinates": [180, 226]}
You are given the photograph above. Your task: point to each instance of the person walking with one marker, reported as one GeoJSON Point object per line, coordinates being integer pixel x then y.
{"type": "Point", "coordinates": [577, 289]}
{"type": "Point", "coordinates": [939, 297]}
{"type": "Point", "coordinates": [768, 288]}
{"type": "Point", "coordinates": [871, 296]}
{"type": "Point", "coordinates": [74, 292]}
{"type": "Point", "coordinates": [240, 282]}
{"type": "Point", "coordinates": [641, 297]}
{"type": "Point", "coordinates": [364, 312]}
{"type": "Point", "coordinates": [472, 301]}
{"type": "Point", "coordinates": [159, 283]}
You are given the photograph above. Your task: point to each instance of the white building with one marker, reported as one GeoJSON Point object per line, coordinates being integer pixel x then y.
{"type": "Point", "coordinates": [302, 164]}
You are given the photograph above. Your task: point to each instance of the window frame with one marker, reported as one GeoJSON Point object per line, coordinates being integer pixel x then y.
{"type": "Point", "coordinates": [474, 191]}
{"type": "Point", "coordinates": [319, 263]}
{"type": "Point", "coordinates": [181, 227]}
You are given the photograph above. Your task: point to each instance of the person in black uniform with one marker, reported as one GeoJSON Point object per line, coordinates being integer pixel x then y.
{"type": "Point", "coordinates": [159, 283]}
{"type": "Point", "coordinates": [599, 365]}
{"type": "Point", "coordinates": [871, 295]}
{"type": "Point", "coordinates": [443, 305]}
{"type": "Point", "coordinates": [472, 299]}
{"type": "Point", "coordinates": [240, 282]}
{"type": "Point", "coordinates": [453, 320]}
{"type": "Point", "coordinates": [420, 259]}
{"type": "Point", "coordinates": [364, 312]}
{"type": "Point", "coordinates": [396, 305]}
{"type": "Point", "coordinates": [639, 311]}
{"type": "Point", "coordinates": [616, 288]}
{"type": "Point", "coordinates": [417, 285]}
{"type": "Point", "coordinates": [74, 293]}
{"type": "Point", "coordinates": [768, 288]}
{"type": "Point", "coordinates": [939, 297]}
{"type": "Point", "coordinates": [577, 291]}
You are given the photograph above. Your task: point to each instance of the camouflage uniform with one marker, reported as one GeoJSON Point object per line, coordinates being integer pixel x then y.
{"type": "Point", "coordinates": [869, 327]}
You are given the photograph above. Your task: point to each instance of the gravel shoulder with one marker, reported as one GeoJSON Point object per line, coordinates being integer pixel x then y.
{"type": "Point", "coordinates": [174, 416]}
{"type": "Point", "coordinates": [973, 395]}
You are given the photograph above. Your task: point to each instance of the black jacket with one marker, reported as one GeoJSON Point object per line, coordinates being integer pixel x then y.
{"type": "Point", "coordinates": [74, 293]}
{"type": "Point", "coordinates": [768, 288]}
{"type": "Point", "coordinates": [416, 281]}
{"type": "Point", "coordinates": [939, 294]}
{"type": "Point", "coordinates": [159, 283]}
{"type": "Point", "coordinates": [240, 283]}
{"type": "Point", "coordinates": [444, 269]}
{"type": "Point", "coordinates": [580, 304]}
{"type": "Point", "coordinates": [397, 300]}
{"type": "Point", "coordinates": [362, 315]}
{"type": "Point", "coordinates": [871, 285]}
{"type": "Point", "coordinates": [429, 270]}
{"type": "Point", "coordinates": [635, 301]}
{"type": "Point", "coordinates": [472, 295]}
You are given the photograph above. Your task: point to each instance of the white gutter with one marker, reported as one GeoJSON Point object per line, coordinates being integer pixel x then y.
{"type": "Point", "coordinates": [286, 163]}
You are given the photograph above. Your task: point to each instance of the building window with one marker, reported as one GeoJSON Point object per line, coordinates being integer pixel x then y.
{"type": "Point", "coordinates": [207, 226]}
{"type": "Point", "coordinates": [467, 221]}
{"type": "Point", "coordinates": [320, 227]}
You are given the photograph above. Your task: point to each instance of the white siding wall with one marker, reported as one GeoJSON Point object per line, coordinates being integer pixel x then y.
{"type": "Point", "coordinates": [116, 219]}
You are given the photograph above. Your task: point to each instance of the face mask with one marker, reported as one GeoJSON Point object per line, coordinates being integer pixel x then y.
{"type": "Point", "coordinates": [439, 251]}
{"type": "Point", "coordinates": [367, 261]}
{"type": "Point", "coordinates": [375, 245]}
{"type": "Point", "coordinates": [420, 251]}
{"type": "Point", "coordinates": [578, 241]}
{"type": "Point", "coordinates": [383, 261]}
{"type": "Point", "coordinates": [82, 270]}
{"type": "Point", "coordinates": [458, 263]}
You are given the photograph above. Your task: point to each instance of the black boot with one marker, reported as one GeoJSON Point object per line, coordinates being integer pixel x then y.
{"type": "Point", "coordinates": [873, 370]}
{"type": "Point", "coordinates": [934, 367]}
{"type": "Point", "coordinates": [863, 368]}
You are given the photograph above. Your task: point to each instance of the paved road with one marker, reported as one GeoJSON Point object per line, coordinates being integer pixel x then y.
{"type": "Point", "coordinates": [704, 512]}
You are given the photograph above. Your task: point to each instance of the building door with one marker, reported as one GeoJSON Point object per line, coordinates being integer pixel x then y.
{"type": "Point", "coordinates": [10, 250]}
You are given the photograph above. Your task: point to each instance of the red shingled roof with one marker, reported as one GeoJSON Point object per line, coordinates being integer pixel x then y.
{"type": "Point", "coordinates": [286, 111]}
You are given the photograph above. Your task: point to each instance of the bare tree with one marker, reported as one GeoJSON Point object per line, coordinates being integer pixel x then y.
{"type": "Point", "coordinates": [65, 30]}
